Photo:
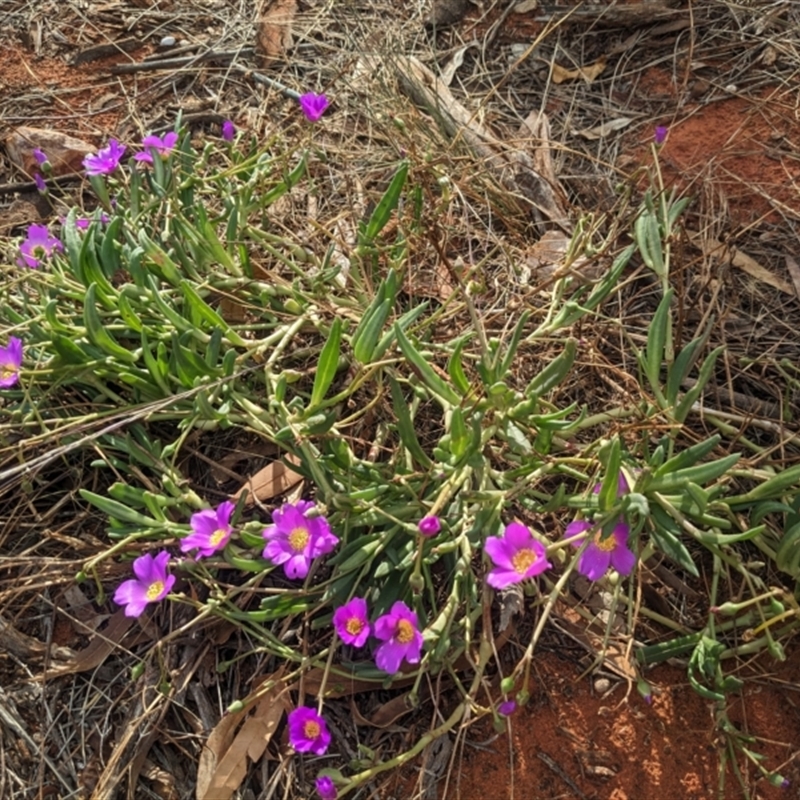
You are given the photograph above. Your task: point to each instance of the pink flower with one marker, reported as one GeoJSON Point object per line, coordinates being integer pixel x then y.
{"type": "Point", "coordinates": [313, 105]}
{"type": "Point", "coordinates": [41, 184]}
{"type": "Point", "coordinates": [161, 146]}
{"type": "Point", "coordinates": [41, 158]}
{"type": "Point", "coordinates": [228, 130]}
{"type": "Point", "coordinates": [151, 584]}
{"type": "Point", "coordinates": [326, 788]}
{"type": "Point", "coordinates": [308, 732]}
{"type": "Point", "coordinates": [295, 539]}
{"type": "Point", "coordinates": [507, 708]}
{"type": "Point", "coordinates": [429, 526]}
{"type": "Point", "coordinates": [39, 245]}
{"type": "Point", "coordinates": [83, 223]}
{"type": "Point", "coordinates": [106, 160]}
{"type": "Point", "coordinates": [350, 621]}
{"type": "Point", "coordinates": [10, 362]}
{"type": "Point", "coordinates": [399, 631]}
{"type": "Point", "coordinates": [660, 135]}
{"type": "Point", "coordinates": [211, 530]}
{"type": "Point", "coordinates": [516, 556]}
{"type": "Point", "coordinates": [602, 553]}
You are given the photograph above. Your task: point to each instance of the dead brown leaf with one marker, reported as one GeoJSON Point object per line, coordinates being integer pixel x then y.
{"type": "Point", "coordinates": [588, 73]}
{"type": "Point", "coordinates": [98, 649]}
{"type": "Point", "coordinates": [389, 712]}
{"type": "Point", "coordinates": [65, 153]}
{"type": "Point", "coordinates": [446, 12]}
{"type": "Point", "coordinates": [385, 715]}
{"type": "Point", "coordinates": [794, 272]}
{"type": "Point", "coordinates": [224, 758]}
{"type": "Point", "coordinates": [274, 30]}
{"type": "Point", "coordinates": [20, 213]}
{"type": "Point", "coordinates": [601, 131]}
{"type": "Point", "coordinates": [273, 480]}
{"type": "Point", "coordinates": [713, 247]}
{"type": "Point", "coordinates": [534, 135]}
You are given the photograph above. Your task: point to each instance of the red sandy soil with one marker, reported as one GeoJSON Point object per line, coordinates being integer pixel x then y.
{"type": "Point", "coordinates": [740, 152]}
{"type": "Point", "coordinates": [83, 101]}
{"type": "Point", "coordinates": [615, 747]}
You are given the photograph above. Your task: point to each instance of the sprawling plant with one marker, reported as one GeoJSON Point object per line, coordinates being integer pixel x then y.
{"type": "Point", "coordinates": [184, 306]}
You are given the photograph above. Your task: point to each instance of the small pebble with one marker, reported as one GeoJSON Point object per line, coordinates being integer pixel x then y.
{"type": "Point", "coordinates": [602, 685]}
{"type": "Point", "coordinates": [167, 41]}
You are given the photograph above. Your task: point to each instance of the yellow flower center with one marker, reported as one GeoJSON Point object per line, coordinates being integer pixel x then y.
{"type": "Point", "coordinates": [522, 560]}
{"type": "Point", "coordinates": [607, 544]}
{"type": "Point", "coordinates": [404, 633]}
{"type": "Point", "coordinates": [354, 626]}
{"type": "Point", "coordinates": [154, 590]}
{"type": "Point", "coordinates": [311, 729]}
{"type": "Point", "coordinates": [7, 371]}
{"type": "Point", "coordinates": [217, 537]}
{"type": "Point", "coordinates": [298, 539]}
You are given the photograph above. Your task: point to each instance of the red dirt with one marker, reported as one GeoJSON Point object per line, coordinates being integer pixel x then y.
{"type": "Point", "coordinates": [617, 749]}
{"type": "Point", "coordinates": [84, 101]}
{"type": "Point", "coordinates": [743, 149]}
{"type": "Point", "coordinates": [741, 153]}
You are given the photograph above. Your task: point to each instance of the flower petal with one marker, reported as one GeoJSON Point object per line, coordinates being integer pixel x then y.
{"type": "Point", "coordinates": [501, 578]}
{"type": "Point", "coordinates": [204, 522]}
{"type": "Point", "coordinates": [296, 567]}
{"type": "Point", "coordinates": [143, 569]}
{"type": "Point", "coordinates": [594, 562]}
{"type": "Point", "coordinates": [517, 536]}
{"type": "Point", "coordinates": [388, 657]}
{"type": "Point", "coordinates": [574, 528]}
{"type": "Point", "coordinates": [133, 595]}
{"type": "Point", "coordinates": [498, 551]}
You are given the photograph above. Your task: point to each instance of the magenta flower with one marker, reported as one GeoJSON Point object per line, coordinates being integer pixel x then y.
{"type": "Point", "coordinates": [41, 158]}
{"type": "Point", "coordinates": [10, 362]}
{"type": "Point", "coordinates": [41, 184]}
{"type": "Point", "coordinates": [161, 146]}
{"type": "Point", "coordinates": [211, 530]}
{"type": "Point", "coordinates": [399, 631]}
{"type": "Point", "coordinates": [507, 708]}
{"type": "Point", "coordinates": [83, 223]}
{"type": "Point", "coordinates": [151, 584]}
{"type": "Point", "coordinates": [39, 245]}
{"type": "Point", "coordinates": [308, 732]}
{"type": "Point", "coordinates": [326, 788]}
{"type": "Point", "coordinates": [228, 130]}
{"type": "Point", "coordinates": [602, 553]}
{"type": "Point", "coordinates": [295, 539]}
{"type": "Point", "coordinates": [660, 135]}
{"type": "Point", "coordinates": [313, 105]}
{"type": "Point", "coordinates": [429, 526]}
{"type": "Point", "coordinates": [106, 160]}
{"type": "Point", "coordinates": [350, 621]}
{"type": "Point", "coordinates": [516, 556]}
